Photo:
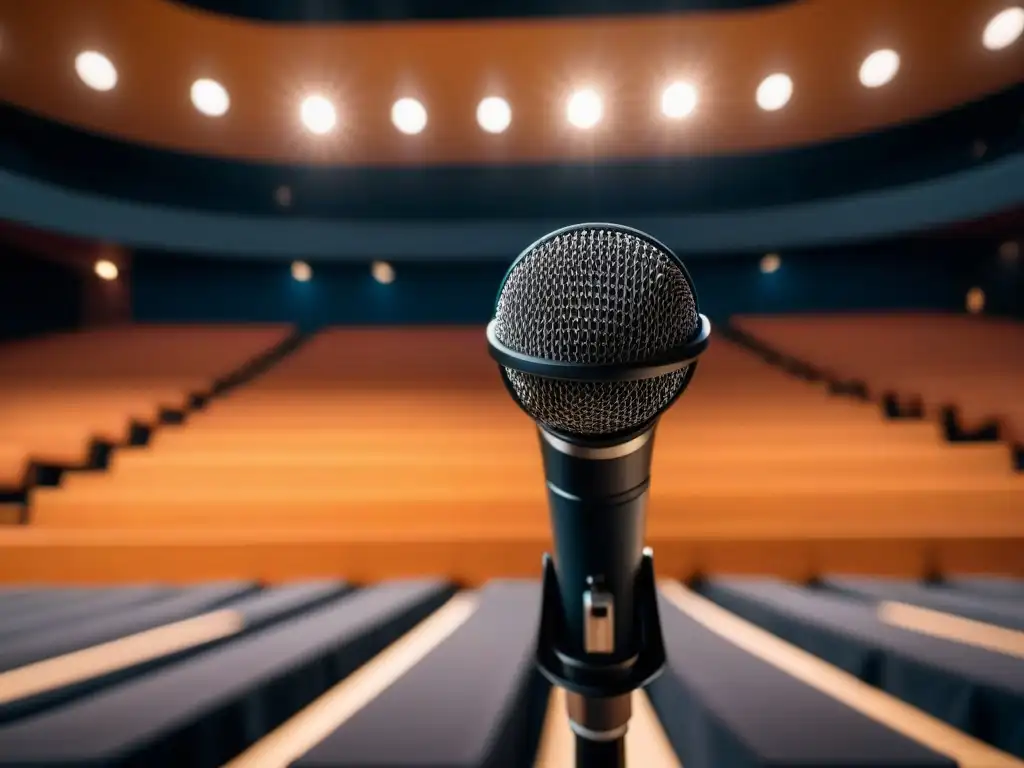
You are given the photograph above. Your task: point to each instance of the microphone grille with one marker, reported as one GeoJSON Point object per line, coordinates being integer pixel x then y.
{"type": "Point", "coordinates": [598, 295]}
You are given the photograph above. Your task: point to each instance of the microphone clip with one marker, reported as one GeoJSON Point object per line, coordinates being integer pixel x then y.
{"type": "Point", "coordinates": [599, 680]}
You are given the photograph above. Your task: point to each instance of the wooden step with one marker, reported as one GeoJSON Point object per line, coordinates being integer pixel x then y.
{"type": "Point", "coordinates": [275, 555]}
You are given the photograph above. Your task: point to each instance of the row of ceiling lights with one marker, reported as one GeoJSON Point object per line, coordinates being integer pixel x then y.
{"type": "Point", "coordinates": [974, 300]}
{"type": "Point", "coordinates": [384, 273]}
{"type": "Point", "coordinates": [381, 271]}
{"type": "Point", "coordinates": [584, 108]}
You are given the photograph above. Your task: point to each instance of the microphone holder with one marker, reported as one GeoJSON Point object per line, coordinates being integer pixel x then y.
{"type": "Point", "coordinates": [599, 695]}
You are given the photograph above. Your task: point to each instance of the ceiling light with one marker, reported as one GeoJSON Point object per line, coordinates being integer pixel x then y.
{"type": "Point", "coordinates": [382, 272]}
{"type": "Point", "coordinates": [1004, 29]}
{"type": "Point", "coordinates": [210, 97]}
{"type": "Point", "coordinates": [318, 115]}
{"type": "Point", "coordinates": [96, 70]}
{"type": "Point", "coordinates": [1009, 251]}
{"type": "Point", "coordinates": [584, 109]}
{"type": "Point", "coordinates": [301, 271]}
{"type": "Point", "coordinates": [283, 195]}
{"type": "Point", "coordinates": [105, 269]}
{"type": "Point", "coordinates": [409, 116]}
{"type": "Point", "coordinates": [770, 263]}
{"type": "Point", "coordinates": [975, 300]}
{"type": "Point", "coordinates": [879, 68]}
{"type": "Point", "coordinates": [678, 101]}
{"type": "Point", "coordinates": [774, 92]}
{"type": "Point", "coordinates": [494, 114]}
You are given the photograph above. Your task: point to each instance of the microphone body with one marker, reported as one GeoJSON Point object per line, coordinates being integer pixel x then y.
{"type": "Point", "coordinates": [596, 334]}
{"type": "Point", "coordinates": [597, 497]}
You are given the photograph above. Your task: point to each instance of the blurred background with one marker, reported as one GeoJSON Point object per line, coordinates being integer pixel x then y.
{"type": "Point", "coordinates": [261, 487]}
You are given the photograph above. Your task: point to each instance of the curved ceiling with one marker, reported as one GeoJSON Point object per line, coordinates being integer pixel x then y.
{"type": "Point", "coordinates": [936, 147]}
{"type": "Point", "coordinates": [160, 47]}
{"type": "Point", "coordinates": [317, 11]}
{"type": "Point", "coordinates": [970, 194]}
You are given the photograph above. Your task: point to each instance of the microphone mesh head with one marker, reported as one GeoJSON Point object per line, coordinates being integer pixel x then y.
{"type": "Point", "coordinates": [596, 295]}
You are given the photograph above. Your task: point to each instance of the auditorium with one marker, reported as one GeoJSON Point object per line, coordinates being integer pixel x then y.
{"type": "Point", "coordinates": [513, 384]}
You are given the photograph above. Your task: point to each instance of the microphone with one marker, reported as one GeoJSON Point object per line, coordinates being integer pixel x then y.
{"type": "Point", "coordinates": [597, 332]}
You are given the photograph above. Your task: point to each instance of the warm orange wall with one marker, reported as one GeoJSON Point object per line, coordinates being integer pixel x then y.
{"type": "Point", "coordinates": [103, 302]}
{"type": "Point", "coordinates": [160, 47]}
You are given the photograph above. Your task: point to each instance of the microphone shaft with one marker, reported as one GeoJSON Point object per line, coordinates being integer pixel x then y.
{"type": "Point", "coordinates": [598, 500]}
{"type": "Point", "coordinates": [600, 754]}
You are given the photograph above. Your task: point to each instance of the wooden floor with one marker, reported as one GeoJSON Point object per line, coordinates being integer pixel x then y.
{"type": "Point", "coordinates": [377, 454]}
{"type": "Point", "coordinates": [972, 363]}
{"type": "Point", "coordinates": [61, 393]}
{"type": "Point", "coordinates": [189, 556]}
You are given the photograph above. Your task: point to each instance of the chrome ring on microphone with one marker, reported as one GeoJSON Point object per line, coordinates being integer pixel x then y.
{"type": "Point", "coordinates": [673, 360]}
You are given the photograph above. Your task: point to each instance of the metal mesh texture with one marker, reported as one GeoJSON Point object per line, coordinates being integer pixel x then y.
{"type": "Point", "coordinates": [595, 295]}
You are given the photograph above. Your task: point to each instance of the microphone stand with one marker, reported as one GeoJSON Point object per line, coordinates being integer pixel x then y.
{"type": "Point", "coordinates": [599, 695]}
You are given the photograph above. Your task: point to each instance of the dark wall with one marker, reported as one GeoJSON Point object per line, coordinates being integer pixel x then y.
{"type": "Point", "coordinates": [884, 277]}
{"type": "Point", "coordinates": [36, 295]}
{"type": "Point", "coordinates": [228, 290]}
{"type": "Point", "coordinates": [910, 276]}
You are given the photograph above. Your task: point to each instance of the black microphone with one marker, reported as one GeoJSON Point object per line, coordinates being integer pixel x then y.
{"type": "Point", "coordinates": [597, 332]}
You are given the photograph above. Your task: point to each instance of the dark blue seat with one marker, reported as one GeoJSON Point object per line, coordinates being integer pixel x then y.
{"type": "Point", "coordinates": [992, 610]}
{"type": "Point", "coordinates": [721, 706]}
{"type": "Point", "coordinates": [977, 691]}
{"type": "Point", "coordinates": [47, 616]}
{"type": "Point", "coordinates": [18, 602]}
{"type": "Point", "coordinates": [19, 651]}
{"type": "Point", "coordinates": [255, 611]}
{"type": "Point", "coordinates": [993, 586]}
{"type": "Point", "coordinates": [208, 708]}
{"type": "Point", "coordinates": [475, 701]}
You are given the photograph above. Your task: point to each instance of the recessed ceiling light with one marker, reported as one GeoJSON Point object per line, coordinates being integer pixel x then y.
{"type": "Point", "coordinates": [678, 101]}
{"type": "Point", "coordinates": [1004, 29]}
{"type": "Point", "coordinates": [301, 271]}
{"type": "Point", "coordinates": [975, 300]}
{"type": "Point", "coordinates": [879, 68]}
{"type": "Point", "coordinates": [318, 115]}
{"type": "Point", "coordinates": [409, 116]}
{"type": "Point", "coordinates": [494, 114]}
{"type": "Point", "coordinates": [106, 269]}
{"type": "Point", "coordinates": [774, 92]}
{"type": "Point", "coordinates": [584, 109]}
{"type": "Point", "coordinates": [96, 70]}
{"type": "Point", "coordinates": [770, 263]}
{"type": "Point", "coordinates": [210, 97]}
{"type": "Point", "coordinates": [382, 272]}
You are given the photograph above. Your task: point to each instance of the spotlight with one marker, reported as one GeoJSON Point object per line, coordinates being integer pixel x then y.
{"type": "Point", "coordinates": [96, 70]}
{"type": "Point", "coordinates": [1009, 251]}
{"type": "Point", "coordinates": [210, 97]}
{"type": "Point", "coordinates": [774, 92]}
{"type": "Point", "coordinates": [975, 300]}
{"type": "Point", "coordinates": [770, 263]}
{"type": "Point", "coordinates": [283, 196]}
{"type": "Point", "coordinates": [105, 269]}
{"type": "Point", "coordinates": [409, 116]}
{"type": "Point", "coordinates": [584, 109]}
{"type": "Point", "coordinates": [494, 114]}
{"type": "Point", "coordinates": [301, 271]}
{"type": "Point", "coordinates": [382, 272]}
{"type": "Point", "coordinates": [879, 68]}
{"type": "Point", "coordinates": [318, 115]}
{"type": "Point", "coordinates": [678, 101]}
{"type": "Point", "coordinates": [1004, 29]}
